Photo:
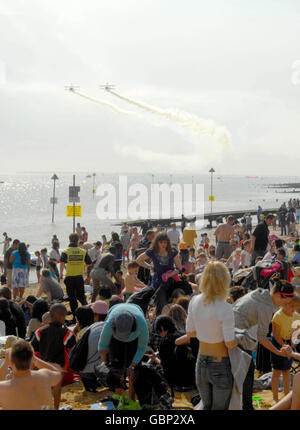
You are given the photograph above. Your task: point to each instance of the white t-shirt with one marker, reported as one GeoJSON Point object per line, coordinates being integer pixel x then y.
{"type": "Point", "coordinates": [174, 236]}
{"type": "Point", "coordinates": [247, 260]}
{"type": "Point", "coordinates": [94, 253]}
{"type": "Point", "coordinates": [54, 255]}
{"type": "Point", "coordinates": [213, 323]}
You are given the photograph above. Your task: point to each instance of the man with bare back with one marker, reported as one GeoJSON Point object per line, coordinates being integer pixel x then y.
{"type": "Point", "coordinates": [224, 232]}
{"type": "Point", "coordinates": [26, 389]}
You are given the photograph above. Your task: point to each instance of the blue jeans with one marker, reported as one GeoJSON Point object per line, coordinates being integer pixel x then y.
{"type": "Point", "coordinates": [214, 381]}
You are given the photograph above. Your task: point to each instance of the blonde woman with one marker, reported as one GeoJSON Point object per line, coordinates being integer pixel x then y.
{"type": "Point", "coordinates": [210, 319]}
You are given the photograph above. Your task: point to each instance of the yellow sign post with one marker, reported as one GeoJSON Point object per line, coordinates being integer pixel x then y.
{"type": "Point", "coordinates": [211, 198]}
{"type": "Point", "coordinates": [73, 211]}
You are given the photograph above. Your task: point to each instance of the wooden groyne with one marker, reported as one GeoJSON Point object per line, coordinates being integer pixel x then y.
{"type": "Point", "coordinates": [210, 217]}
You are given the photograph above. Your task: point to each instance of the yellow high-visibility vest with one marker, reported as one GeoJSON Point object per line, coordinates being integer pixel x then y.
{"type": "Point", "coordinates": [75, 263]}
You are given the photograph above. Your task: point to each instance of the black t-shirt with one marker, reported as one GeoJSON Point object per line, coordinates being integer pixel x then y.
{"type": "Point", "coordinates": [261, 233]}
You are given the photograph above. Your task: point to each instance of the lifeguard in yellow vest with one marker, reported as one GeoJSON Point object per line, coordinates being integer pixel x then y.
{"type": "Point", "coordinates": [74, 259]}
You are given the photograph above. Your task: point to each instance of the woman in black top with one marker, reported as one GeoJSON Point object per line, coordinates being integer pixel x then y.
{"type": "Point", "coordinates": [7, 317]}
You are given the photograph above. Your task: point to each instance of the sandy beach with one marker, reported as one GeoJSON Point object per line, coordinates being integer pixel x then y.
{"type": "Point", "coordinates": [79, 399]}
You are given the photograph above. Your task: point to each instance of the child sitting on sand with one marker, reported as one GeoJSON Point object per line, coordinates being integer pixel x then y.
{"type": "Point", "coordinates": [132, 283]}
{"type": "Point", "coordinates": [105, 294]}
{"type": "Point", "coordinates": [281, 334]}
{"type": "Point", "coordinates": [201, 261]}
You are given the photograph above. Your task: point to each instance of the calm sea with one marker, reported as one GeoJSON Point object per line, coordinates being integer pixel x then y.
{"type": "Point", "coordinates": [26, 210]}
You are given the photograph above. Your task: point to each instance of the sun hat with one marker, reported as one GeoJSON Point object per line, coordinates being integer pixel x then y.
{"type": "Point", "coordinates": [122, 325]}
{"type": "Point", "coordinates": [99, 307]}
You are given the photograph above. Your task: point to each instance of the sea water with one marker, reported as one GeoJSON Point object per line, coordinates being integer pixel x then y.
{"type": "Point", "coordinates": [26, 212]}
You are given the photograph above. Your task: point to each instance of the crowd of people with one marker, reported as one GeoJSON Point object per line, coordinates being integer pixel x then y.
{"type": "Point", "coordinates": [154, 313]}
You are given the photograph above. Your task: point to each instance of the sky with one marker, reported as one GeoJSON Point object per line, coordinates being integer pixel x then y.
{"type": "Point", "coordinates": [222, 79]}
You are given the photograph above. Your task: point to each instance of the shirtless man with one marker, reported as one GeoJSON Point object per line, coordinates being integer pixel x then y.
{"type": "Point", "coordinates": [26, 389]}
{"type": "Point", "coordinates": [224, 232]}
{"type": "Point", "coordinates": [134, 240]}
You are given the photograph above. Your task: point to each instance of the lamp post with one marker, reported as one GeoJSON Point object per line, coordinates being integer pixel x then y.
{"type": "Point", "coordinates": [54, 177]}
{"type": "Point", "coordinates": [211, 197]}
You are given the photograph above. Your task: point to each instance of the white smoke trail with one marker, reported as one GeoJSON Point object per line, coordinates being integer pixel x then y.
{"type": "Point", "coordinates": [108, 105]}
{"type": "Point", "coordinates": [203, 127]}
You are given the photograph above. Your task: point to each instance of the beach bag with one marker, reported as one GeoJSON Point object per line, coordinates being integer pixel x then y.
{"type": "Point", "coordinates": [79, 354]}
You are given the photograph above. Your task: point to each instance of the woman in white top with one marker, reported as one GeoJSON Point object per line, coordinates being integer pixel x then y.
{"type": "Point", "coordinates": [245, 255]}
{"type": "Point", "coordinates": [210, 319]}
{"type": "Point", "coordinates": [54, 253]}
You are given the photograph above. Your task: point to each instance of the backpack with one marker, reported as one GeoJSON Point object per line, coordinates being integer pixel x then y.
{"type": "Point", "coordinates": [79, 354]}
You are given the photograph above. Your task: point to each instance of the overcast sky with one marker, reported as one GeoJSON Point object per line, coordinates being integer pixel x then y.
{"type": "Point", "coordinates": [228, 61]}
